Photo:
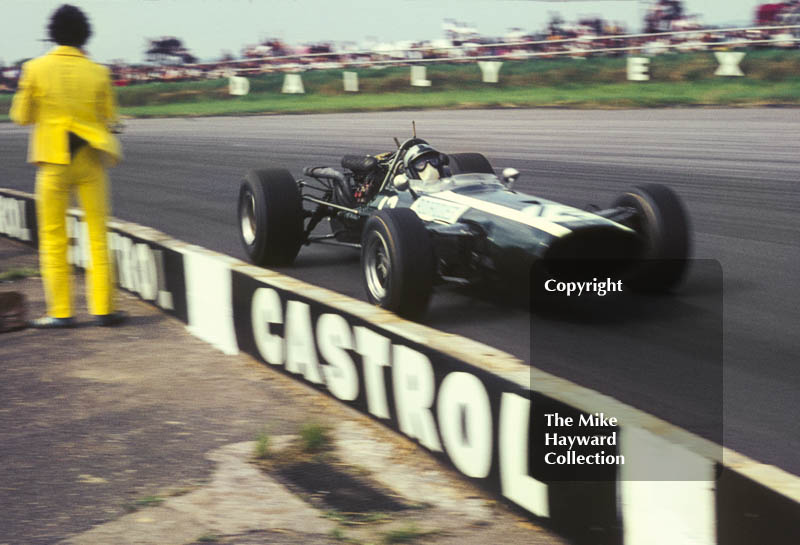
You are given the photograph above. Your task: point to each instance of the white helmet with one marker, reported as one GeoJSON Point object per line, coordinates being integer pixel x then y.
{"type": "Point", "coordinates": [422, 162]}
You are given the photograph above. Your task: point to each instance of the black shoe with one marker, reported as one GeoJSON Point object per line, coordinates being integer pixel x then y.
{"type": "Point", "coordinates": [48, 322]}
{"type": "Point", "coordinates": [111, 320]}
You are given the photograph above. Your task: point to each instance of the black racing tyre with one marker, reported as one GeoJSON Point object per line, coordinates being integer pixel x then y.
{"type": "Point", "coordinates": [270, 217]}
{"type": "Point", "coordinates": [663, 223]}
{"type": "Point", "coordinates": [397, 262]}
{"type": "Point", "coordinates": [466, 163]}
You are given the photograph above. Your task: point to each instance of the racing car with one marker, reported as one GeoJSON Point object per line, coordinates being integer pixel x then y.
{"type": "Point", "coordinates": [421, 218]}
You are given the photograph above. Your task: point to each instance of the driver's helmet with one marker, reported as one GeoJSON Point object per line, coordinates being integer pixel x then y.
{"type": "Point", "coordinates": [422, 162]}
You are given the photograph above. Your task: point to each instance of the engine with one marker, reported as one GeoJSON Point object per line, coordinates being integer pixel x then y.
{"type": "Point", "coordinates": [366, 185]}
{"type": "Point", "coordinates": [368, 173]}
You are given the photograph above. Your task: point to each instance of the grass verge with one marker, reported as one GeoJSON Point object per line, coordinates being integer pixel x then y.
{"type": "Point", "coordinates": [315, 438]}
{"type": "Point", "coordinates": [604, 96]}
{"type": "Point", "coordinates": [772, 77]}
{"type": "Point", "coordinates": [262, 448]}
{"type": "Point", "coordinates": [18, 273]}
{"type": "Point", "coordinates": [141, 503]}
{"type": "Point", "coordinates": [355, 519]}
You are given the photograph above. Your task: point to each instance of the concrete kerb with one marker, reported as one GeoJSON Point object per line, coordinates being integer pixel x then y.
{"type": "Point", "coordinates": [467, 350]}
{"type": "Point", "coordinates": [16, 193]}
{"type": "Point", "coordinates": [500, 363]}
{"type": "Point", "coordinates": [774, 478]}
{"type": "Point", "coordinates": [495, 362]}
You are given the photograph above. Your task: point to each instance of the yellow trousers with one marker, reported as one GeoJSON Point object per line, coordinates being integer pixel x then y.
{"type": "Point", "coordinates": [54, 185]}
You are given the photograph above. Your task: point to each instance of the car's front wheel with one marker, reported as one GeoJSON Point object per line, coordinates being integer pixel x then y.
{"type": "Point", "coordinates": [397, 262]}
{"type": "Point", "coordinates": [662, 221]}
{"type": "Point", "coordinates": [270, 215]}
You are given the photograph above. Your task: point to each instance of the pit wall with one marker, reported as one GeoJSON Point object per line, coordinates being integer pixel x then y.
{"type": "Point", "coordinates": [467, 403]}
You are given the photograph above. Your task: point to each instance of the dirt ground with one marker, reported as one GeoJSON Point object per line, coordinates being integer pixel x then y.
{"type": "Point", "coordinates": [143, 434]}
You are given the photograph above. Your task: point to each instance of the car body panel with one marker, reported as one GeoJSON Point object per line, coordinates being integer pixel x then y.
{"type": "Point", "coordinates": [513, 226]}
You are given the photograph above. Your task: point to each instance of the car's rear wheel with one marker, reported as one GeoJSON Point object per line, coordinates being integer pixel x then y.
{"type": "Point", "coordinates": [466, 163]}
{"type": "Point", "coordinates": [397, 262]}
{"type": "Point", "coordinates": [663, 223]}
{"type": "Point", "coordinates": [270, 217]}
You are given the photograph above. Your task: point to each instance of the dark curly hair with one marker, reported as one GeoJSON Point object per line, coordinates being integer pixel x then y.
{"type": "Point", "coordinates": [69, 26]}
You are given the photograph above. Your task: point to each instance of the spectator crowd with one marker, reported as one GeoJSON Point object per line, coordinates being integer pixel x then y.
{"type": "Point", "coordinates": [169, 60]}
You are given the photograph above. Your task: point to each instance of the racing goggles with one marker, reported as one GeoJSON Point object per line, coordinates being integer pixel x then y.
{"type": "Point", "coordinates": [433, 159]}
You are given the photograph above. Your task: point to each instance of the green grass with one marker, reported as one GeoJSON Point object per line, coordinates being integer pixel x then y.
{"type": "Point", "coordinates": [348, 519]}
{"type": "Point", "coordinates": [17, 273]}
{"type": "Point", "coordinates": [315, 438]}
{"type": "Point", "coordinates": [772, 77]}
{"type": "Point", "coordinates": [618, 95]}
{"type": "Point", "coordinates": [147, 501]}
{"type": "Point", "coordinates": [339, 535]}
{"type": "Point", "coordinates": [262, 448]}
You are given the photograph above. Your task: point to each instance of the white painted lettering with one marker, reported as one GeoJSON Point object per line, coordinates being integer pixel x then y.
{"type": "Point", "coordinates": [12, 219]}
{"type": "Point", "coordinates": [413, 381]}
{"type": "Point", "coordinates": [374, 350]}
{"type": "Point", "coordinates": [729, 63]}
{"type": "Point", "coordinates": [164, 296]}
{"type": "Point", "coordinates": [515, 483]}
{"type": "Point", "coordinates": [238, 86]}
{"type": "Point", "coordinates": [266, 309]}
{"type": "Point", "coordinates": [350, 82]}
{"type": "Point", "coordinates": [418, 77]}
{"type": "Point", "coordinates": [638, 68]}
{"type": "Point", "coordinates": [293, 84]}
{"type": "Point", "coordinates": [301, 354]}
{"type": "Point", "coordinates": [334, 339]}
{"type": "Point", "coordinates": [123, 252]}
{"type": "Point", "coordinates": [139, 267]}
{"type": "Point", "coordinates": [490, 71]}
{"type": "Point", "coordinates": [147, 273]}
{"type": "Point", "coordinates": [463, 398]}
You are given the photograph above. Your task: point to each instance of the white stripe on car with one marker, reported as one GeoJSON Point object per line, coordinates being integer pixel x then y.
{"type": "Point", "coordinates": [505, 212]}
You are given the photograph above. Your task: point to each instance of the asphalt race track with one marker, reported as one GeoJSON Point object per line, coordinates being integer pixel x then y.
{"type": "Point", "coordinates": [738, 171]}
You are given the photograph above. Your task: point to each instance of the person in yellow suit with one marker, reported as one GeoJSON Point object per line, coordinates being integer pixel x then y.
{"type": "Point", "coordinates": [69, 100]}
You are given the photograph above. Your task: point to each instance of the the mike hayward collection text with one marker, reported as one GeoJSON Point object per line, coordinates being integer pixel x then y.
{"type": "Point", "coordinates": [569, 440]}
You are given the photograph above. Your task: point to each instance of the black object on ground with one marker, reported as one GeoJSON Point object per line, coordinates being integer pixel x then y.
{"type": "Point", "coordinates": [337, 489]}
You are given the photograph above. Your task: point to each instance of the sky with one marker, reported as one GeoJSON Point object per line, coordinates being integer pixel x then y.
{"type": "Point", "coordinates": [209, 27]}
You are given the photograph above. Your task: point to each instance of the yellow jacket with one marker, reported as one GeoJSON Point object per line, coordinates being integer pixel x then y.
{"type": "Point", "coordinates": [63, 92]}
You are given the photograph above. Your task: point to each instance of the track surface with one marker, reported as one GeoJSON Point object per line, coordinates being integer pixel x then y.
{"type": "Point", "coordinates": [738, 171]}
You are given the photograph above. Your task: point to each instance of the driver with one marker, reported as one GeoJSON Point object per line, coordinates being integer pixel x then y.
{"type": "Point", "coordinates": [424, 163]}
